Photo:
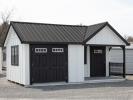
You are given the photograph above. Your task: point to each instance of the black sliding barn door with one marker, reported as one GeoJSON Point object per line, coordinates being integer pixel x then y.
{"type": "Point", "coordinates": [49, 63]}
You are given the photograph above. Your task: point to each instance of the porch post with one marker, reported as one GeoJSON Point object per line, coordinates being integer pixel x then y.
{"type": "Point", "coordinates": [124, 60]}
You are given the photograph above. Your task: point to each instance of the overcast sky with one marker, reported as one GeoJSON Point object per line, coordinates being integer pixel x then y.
{"type": "Point", "coordinates": [119, 13]}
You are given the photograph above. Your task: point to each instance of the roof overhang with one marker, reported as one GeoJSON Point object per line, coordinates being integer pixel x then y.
{"type": "Point", "coordinates": [106, 24]}
{"type": "Point", "coordinates": [83, 43]}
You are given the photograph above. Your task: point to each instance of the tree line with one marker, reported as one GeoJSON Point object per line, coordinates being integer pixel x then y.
{"type": "Point", "coordinates": [4, 27]}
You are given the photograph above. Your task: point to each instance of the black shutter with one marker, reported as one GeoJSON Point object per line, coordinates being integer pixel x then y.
{"type": "Point", "coordinates": [85, 54]}
{"type": "Point", "coordinates": [15, 55]}
{"type": "Point", "coordinates": [12, 55]}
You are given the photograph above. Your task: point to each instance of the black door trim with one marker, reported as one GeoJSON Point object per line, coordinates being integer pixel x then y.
{"type": "Point", "coordinates": [104, 47]}
{"type": "Point", "coordinates": [30, 64]}
{"type": "Point", "coordinates": [30, 61]}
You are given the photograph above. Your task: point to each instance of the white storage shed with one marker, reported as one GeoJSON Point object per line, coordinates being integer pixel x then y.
{"type": "Point", "coordinates": [116, 55]}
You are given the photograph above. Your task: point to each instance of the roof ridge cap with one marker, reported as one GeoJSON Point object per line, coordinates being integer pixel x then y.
{"type": "Point", "coordinates": [47, 24]}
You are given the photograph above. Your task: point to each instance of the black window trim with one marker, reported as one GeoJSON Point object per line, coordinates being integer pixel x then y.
{"type": "Point", "coordinates": [4, 53]}
{"type": "Point", "coordinates": [15, 55]}
{"type": "Point", "coordinates": [85, 54]}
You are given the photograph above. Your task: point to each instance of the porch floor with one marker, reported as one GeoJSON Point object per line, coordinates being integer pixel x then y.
{"type": "Point", "coordinates": [108, 77]}
{"type": "Point", "coordinates": [87, 80]}
{"type": "Point", "coordinates": [103, 79]}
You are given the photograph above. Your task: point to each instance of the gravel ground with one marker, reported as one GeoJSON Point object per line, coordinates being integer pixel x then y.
{"type": "Point", "coordinates": [98, 91]}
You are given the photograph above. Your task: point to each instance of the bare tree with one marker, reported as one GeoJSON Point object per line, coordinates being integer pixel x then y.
{"type": "Point", "coordinates": [130, 39]}
{"type": "Point", "coordinates": [5, 21]}
{"type": "Point", "coordinates": [5, 17]}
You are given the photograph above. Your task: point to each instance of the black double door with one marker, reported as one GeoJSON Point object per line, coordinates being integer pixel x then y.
{"type": "Point", "coordinates": [49, 63]}
{"type": "Point", "coordinates": [97, 61]}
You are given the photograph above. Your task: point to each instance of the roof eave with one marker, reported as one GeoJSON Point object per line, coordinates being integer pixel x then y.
{"type": "Point", "coordinates": [6, 34]}
{"type": "Point", "coordinates": [95, 33]}
{"type": "Point", "coordinates": [31, 42]}
{"type": "Point", "coordinates": [118, 34]}
{"type": "Point", "coordinates": [107, 24]}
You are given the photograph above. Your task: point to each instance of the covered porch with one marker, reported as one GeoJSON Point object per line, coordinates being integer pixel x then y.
{"type": "Point", "coordinates": [97, 54]}
{"type": "Point", "coordinates": [98, 65]}
{"type": "Point", "coordinates": [97, 62]}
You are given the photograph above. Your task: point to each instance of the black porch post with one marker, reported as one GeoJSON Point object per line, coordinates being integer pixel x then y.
{"type": "Point", "coordinates": [124, 60]}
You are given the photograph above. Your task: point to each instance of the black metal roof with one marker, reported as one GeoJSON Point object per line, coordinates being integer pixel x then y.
{"type": "Point", "coordinates": [56, 33]}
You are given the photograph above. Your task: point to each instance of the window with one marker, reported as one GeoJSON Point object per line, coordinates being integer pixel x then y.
{"type": "Point", "coordinates": [15, 55]}
{"type": "Point", "coordinates": [40, 50]}
{"type": "Point", "coordinates": [97, 51]}
{"type": "Point", "coordinates": [57, 50]}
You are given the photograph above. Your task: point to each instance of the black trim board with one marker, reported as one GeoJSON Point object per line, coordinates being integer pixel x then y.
{"type": "Point", "coordinates": [30, 74]}
{"type": "Point", "coordinates": [53, 42]}
{"type": "Point", "coordinates": [85, 54]}
{"type": "Point", "coordinates": [15, 32]}
{"type": "Point", "coordinates": [128, 74]}
{"type": "Point", "coordinates": [82, 42]}
{"type": "Point", "coordinates": [7, 33]}
{"type": "Point", "coordinates": [94, 33]}
{"type": "Point", "coordinates": [107, 24]}
{"type": "Point", "coordinates": [103, 45]}
{"type": "Point", "coordinates": [117, 34]}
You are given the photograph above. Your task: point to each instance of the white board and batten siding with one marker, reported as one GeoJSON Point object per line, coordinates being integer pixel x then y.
{"type": "Point", "coordinates": [116, 55]}
{"type": "Point", "coordinates": [75, 63]}
{"type": "Point", "coordinates": [106, 37]}
{"type": "Point", "coordinates": [87, 66]}
{"type": "Point", "coordinates": [20, 73]}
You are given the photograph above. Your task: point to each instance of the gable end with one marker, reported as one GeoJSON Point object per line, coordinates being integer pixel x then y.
{"type": "Point", "coordinates": [106, 24]}
{"type": "Point", "coordinates": [118, 34]}
{"type": "Point", "coordinates": [9, 34]}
